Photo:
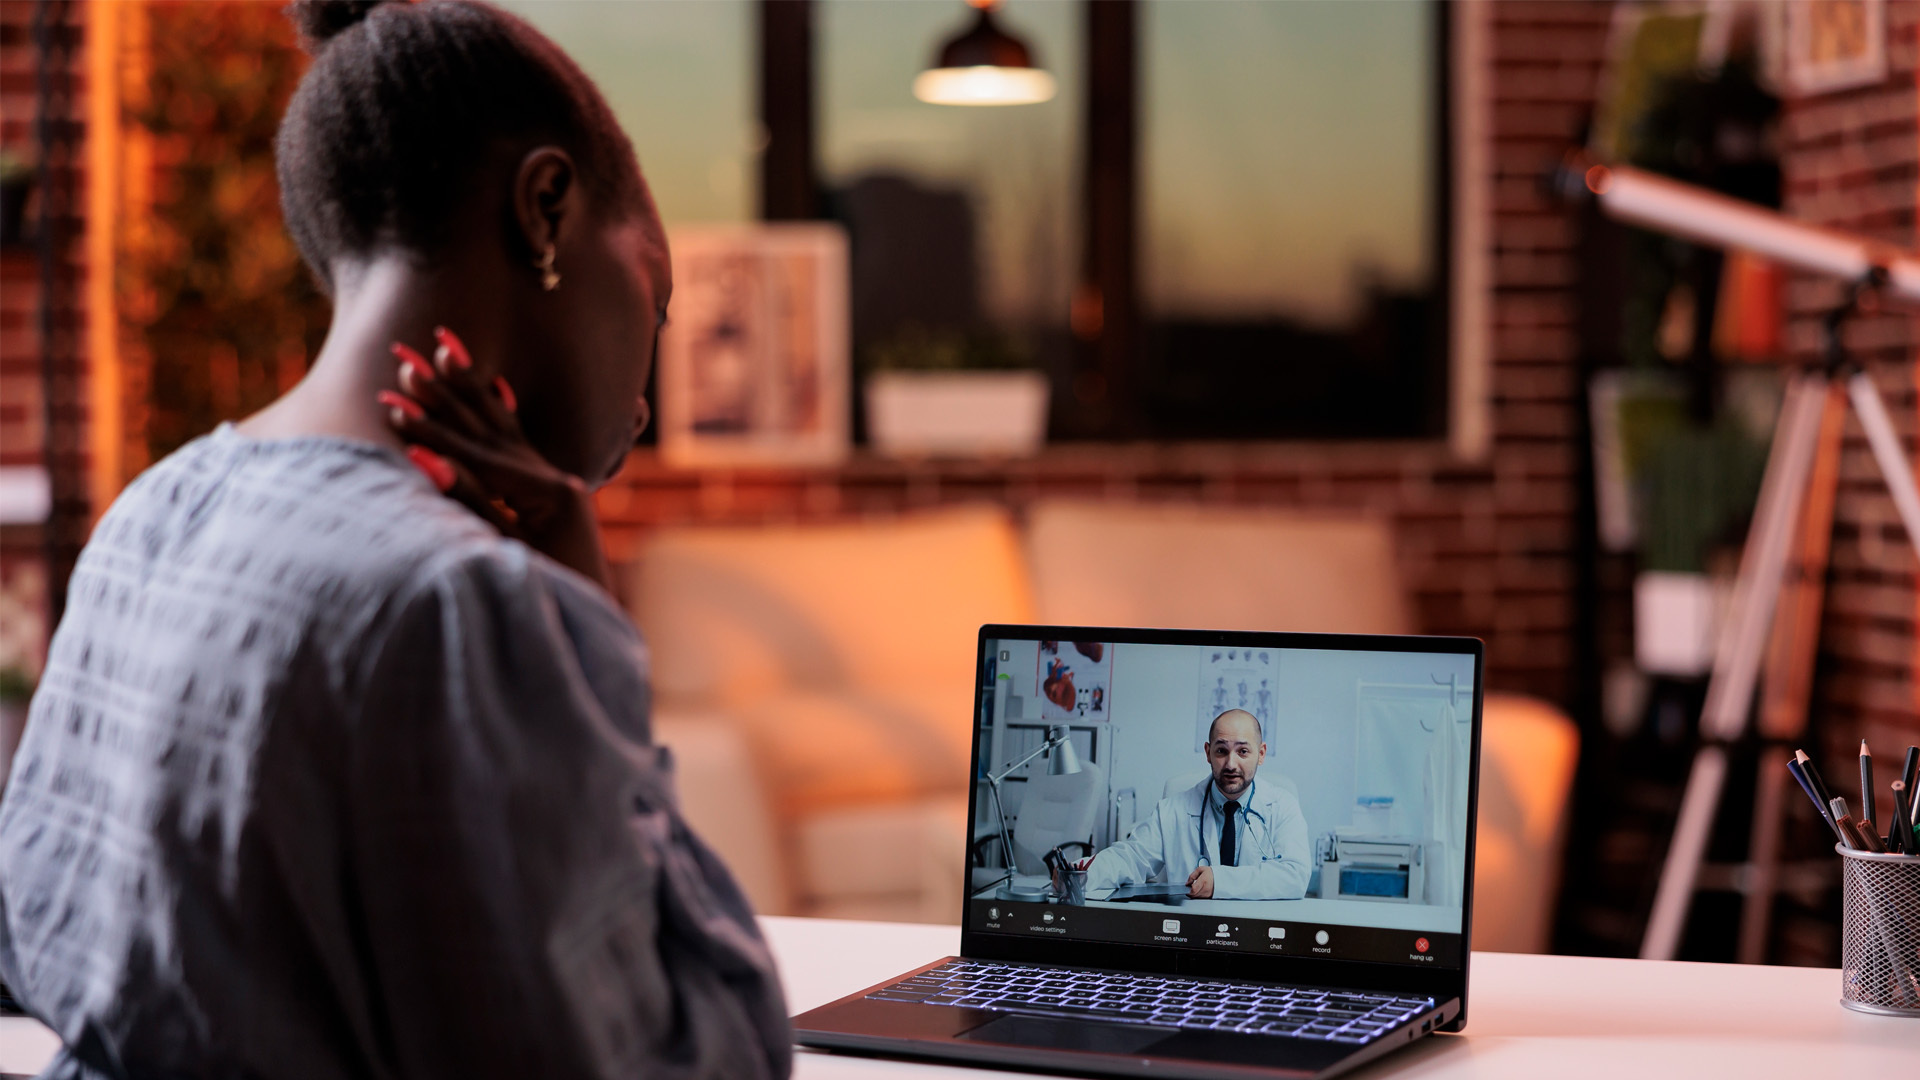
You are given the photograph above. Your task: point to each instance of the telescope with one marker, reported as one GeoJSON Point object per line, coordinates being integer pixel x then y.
{"type": "Point", "coordinates": [1806, 425]}
{"type": "Point", "coordinates": [1650, 201]}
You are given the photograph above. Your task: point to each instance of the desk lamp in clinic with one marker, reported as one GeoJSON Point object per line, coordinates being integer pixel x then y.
{"type": "Point", "coordinates": [1062, 760]}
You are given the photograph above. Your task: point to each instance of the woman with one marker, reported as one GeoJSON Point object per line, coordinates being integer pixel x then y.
{"type": "Point", "coordinates": [327, 777]}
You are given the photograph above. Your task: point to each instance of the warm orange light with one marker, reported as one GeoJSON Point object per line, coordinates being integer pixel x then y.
{"type": "Point", "coordinates": [983, 85]}
{"type": "Point", "coordinates": [1599, 179]}
{"type": "Point", "coordinates": [984, 65]}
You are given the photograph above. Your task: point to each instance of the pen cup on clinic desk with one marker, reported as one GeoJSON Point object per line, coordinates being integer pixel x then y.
{"type": "Point", "coordinates": [1073, 887]}
{"type": "Point", "coordinates": [1880, 935]}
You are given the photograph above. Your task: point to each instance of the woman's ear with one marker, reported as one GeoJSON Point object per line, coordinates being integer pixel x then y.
{"type": "Point", "coordinates": [545, 198]}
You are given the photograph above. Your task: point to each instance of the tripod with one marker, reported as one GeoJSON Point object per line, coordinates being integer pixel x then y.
{"type": "Point", "coordinates": [1796, 499]}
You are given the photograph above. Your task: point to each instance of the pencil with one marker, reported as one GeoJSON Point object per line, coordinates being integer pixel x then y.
{"type": "Point", "coordinates": [1814, 778]}
{"type": "Point", "coordinates": [1800, 777]}
{"type": "Point", "coordinates": [1912, 777]}
{"type": "Point", "coordinates": [1850, 834]}
{"type": "Point", "coordinates": [1867, 816]}
{"type": "Point", "coordinates": [1899, 833]}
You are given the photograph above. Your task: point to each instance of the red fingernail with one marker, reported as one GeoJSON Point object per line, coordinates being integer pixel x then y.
{"type": "Point", "coordinates": [506, 393]}
{"type": "Point", "coordinates": [433, 465]}
{"type": "Point", "coordinates": [393, 399]}
{"type": "Point", "coordinates": [421, 369]}
{"type": "Point", "coordinates": [456, 351]}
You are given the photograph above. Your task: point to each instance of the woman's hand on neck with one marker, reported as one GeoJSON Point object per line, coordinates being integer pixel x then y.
{"type": "Point", "coordinates": [386, 298]}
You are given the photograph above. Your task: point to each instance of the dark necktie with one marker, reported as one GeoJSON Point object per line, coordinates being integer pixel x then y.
{"type": "Point", "coordinates": [1227, 845]}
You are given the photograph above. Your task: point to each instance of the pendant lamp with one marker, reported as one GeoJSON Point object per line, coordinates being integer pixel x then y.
{"type": "Point", "coordinates": [983, 65]}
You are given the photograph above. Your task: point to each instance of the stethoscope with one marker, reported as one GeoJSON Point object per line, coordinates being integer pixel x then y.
{"type": "Point", "coordinates": [1206, 803]}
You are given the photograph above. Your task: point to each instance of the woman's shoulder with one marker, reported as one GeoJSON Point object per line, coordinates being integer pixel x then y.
{"type": "Point", "coordinates": [335, 541]}
{"type": "Point", "coordinates": [320, 505]}
{"type": "Point", "coordinates": [327, 532]}
{"type": "Point", "coordinates": [503, 620]}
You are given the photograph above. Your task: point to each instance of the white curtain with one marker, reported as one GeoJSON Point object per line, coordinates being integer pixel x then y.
{"type": "Point", "coordinates": [1412, 748]}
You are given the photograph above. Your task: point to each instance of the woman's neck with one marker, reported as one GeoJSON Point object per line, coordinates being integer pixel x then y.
{"type": "Point", "coordinates": [376, 302]}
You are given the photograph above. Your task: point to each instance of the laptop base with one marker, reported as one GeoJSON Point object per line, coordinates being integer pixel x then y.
{"type": "Point", "coordinates": [858, 1024]}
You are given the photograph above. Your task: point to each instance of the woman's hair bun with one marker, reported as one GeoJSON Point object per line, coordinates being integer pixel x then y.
{"type": "Point", "coordinates": [319, 20]}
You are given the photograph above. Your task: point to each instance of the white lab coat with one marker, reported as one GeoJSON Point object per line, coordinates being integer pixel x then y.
{"type": "Point", "coordinates": [1271, 842]}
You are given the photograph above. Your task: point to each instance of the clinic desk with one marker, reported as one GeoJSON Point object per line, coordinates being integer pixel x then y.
{"type": "Point", "coordinates": [1532, 1016]}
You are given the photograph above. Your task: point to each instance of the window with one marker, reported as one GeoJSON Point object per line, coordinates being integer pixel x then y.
{"type": "Point", "coordinates": [962, 221]}
{"type": "Point", "coordinates": [680, 78]}
{"type": "Point", "coordinates": [1292, 177]}
{"type": "Point", "coordinates": [1243, 208]}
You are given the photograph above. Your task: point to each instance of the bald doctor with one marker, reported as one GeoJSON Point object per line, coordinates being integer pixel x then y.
{"type": "Point", "coordinates": [1229, 837]}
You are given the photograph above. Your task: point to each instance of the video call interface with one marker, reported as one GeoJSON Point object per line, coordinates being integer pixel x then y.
{"type": "Point", "coordinates": [1280, 801]}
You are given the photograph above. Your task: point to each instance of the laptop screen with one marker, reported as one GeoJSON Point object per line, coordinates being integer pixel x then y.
{"type": "Point", "coordinates": [1300, 802]}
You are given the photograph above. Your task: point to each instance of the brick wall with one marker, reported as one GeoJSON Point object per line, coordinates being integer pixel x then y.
{"type": "Point", "coordinates": [1851, 160]}
{"type": "Point", "coordinates": [1487, 549]}
{"type": "Point", "coordinates": [24, 548]}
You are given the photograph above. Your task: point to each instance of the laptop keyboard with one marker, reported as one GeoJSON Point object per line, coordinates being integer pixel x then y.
{"type": "Point", "coordinates": [1163, 1000]}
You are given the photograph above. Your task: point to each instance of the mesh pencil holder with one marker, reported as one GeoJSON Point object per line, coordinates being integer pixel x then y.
{"type": "Point", "coordinates": [1880, 935]}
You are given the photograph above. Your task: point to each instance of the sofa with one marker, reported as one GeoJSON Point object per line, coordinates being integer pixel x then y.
{"type": "Point", "coordinates": [814, 682]}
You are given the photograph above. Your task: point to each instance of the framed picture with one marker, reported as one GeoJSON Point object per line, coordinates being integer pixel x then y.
{"type": "Point", "coordinates": [754, 358]}
{"type": "Point", "coordinates": [1836, 44]}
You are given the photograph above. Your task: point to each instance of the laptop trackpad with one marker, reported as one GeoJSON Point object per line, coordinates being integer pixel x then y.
{"type": "Point", "coordinates": [1065, 1034]}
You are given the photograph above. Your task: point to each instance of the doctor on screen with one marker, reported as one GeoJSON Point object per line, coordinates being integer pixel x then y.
{"type": "Point", "coordinates": [1228, 837]}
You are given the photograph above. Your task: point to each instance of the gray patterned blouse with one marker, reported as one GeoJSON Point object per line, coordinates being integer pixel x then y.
{"type": "Point", "coordinates": [325, 779]}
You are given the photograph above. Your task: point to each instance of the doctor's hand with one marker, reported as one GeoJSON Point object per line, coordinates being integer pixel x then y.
{"type": "Point", "coordinates": [1200, 883]}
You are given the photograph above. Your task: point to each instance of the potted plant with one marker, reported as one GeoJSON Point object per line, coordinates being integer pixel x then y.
{"type": "Point", "coordinates": [1698, 488]}
{"type": "Point", "coordinates": [945, 393]}
{"type": "Point", "coordinates": [16, 183]}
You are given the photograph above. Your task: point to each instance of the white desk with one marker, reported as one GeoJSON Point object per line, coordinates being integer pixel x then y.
{"type": "Point", "coordinates": [1530, 1016]}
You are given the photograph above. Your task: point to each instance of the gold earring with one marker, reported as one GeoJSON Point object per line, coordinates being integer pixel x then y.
{"type": "Point", "coordinates": [549, 277]}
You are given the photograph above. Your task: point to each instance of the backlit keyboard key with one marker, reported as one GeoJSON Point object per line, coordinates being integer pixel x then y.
{"type": "Point", "coordinates": [1181, 1003]}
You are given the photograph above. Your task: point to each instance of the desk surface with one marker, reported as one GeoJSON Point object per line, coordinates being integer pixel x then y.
{"type": "Point", "coordinates": [1531, 1016]}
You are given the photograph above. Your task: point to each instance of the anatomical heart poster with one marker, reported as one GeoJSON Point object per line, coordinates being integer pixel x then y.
{"type": "Point", "coordinates": [1076, 678]}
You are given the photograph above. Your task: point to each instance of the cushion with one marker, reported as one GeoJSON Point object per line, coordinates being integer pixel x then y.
{"type": "Point", "coordinates": [733, 613]}
{"type": "Point", "coordinates": [721, 786]}
{"type": "Point", "coordinates": [1215, 568]}
{"type": "Point", "coordinates": [822, 750]}
{"type": "Point", "coordinates": [895, 862]}
{"type": "Point", "coordinates": [1528, 750]}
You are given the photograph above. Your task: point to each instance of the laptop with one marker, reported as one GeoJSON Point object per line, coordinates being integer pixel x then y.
{"type": "Point", "coordinates": [1200, 854]}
